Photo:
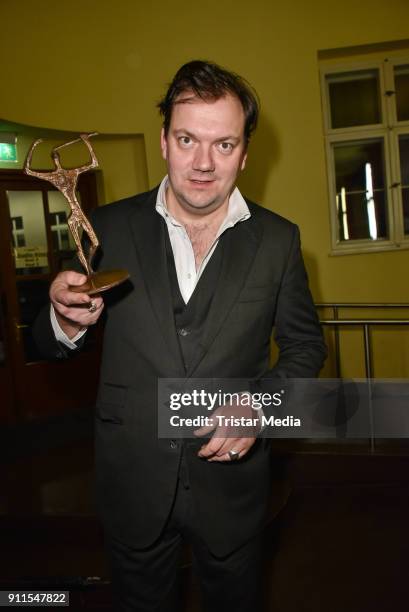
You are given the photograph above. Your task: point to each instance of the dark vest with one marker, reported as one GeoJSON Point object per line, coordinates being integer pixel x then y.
{"type": "Point", "coordinates": [190, 318]}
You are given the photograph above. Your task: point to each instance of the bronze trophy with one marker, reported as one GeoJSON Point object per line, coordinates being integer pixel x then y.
{"type": "Point", "coordinates": [65, 180]}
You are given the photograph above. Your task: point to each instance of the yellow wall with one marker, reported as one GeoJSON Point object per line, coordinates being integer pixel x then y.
{"type": "Point", "coordinates": [83, 66]}
{"type": "Point", "coordinates": [121, 157]}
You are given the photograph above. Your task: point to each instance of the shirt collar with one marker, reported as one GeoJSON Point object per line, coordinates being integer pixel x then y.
{"type": "Point", "coordinates": [237, 210]}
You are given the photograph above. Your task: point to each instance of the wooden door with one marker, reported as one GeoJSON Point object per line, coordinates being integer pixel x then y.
{"type": "Point", "coordinates": [35, 244]}
{"type": "Point", "coordinates": [7, 402]}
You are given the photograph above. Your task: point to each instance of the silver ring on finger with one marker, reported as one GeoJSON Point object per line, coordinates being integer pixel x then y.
{"type": "Point", "coordinates": [233, 454]}
{"type": "Point", "coordinates": [92, 307]}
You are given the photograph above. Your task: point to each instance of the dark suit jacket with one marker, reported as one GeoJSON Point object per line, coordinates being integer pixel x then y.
{"type": "Point", "coordinates": [262, 284]}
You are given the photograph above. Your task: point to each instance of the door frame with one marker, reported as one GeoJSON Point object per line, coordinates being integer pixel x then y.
{"type": "Point", "coordinates": [39, 388]}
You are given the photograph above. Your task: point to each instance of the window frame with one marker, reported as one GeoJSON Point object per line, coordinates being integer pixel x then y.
{"type": "Point", "coordinates": [389, 129]}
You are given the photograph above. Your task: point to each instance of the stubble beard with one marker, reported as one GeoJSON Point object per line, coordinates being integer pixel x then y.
{"type": "Point", "coordinates": [201, 209]}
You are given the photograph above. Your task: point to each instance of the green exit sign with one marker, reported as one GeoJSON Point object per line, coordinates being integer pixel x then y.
{"type": "Point", "coordinates": [8, 152]}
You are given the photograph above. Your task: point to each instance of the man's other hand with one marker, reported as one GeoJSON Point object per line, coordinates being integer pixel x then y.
{"type": "Point", "coordinates": [229, 437]}
{"type": "Point", "coordinates": [73, 309]}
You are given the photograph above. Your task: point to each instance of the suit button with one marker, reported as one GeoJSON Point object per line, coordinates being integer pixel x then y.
{"type": "Point", "coordinates": [182, 331]}
{"type": "Point", "coordinates": [173, 444]}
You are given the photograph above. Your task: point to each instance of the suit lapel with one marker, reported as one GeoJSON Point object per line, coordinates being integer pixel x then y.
{"type": "Point", "coordinates": [240, 245]}
{"type": "Point", "coordinates": [148, 229]}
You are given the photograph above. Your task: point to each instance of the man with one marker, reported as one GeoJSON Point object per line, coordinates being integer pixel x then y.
{"type": "Point", "coordinates": [211, 274]}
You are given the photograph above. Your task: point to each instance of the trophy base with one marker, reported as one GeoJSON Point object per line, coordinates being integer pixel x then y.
{"type": "Point", "coordinates": [101, 281]}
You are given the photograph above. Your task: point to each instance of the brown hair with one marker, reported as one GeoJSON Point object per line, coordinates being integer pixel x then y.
{"type": "Point", "coordinates": [209, 81]}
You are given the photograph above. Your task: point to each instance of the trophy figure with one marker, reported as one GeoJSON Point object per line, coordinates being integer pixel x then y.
{"type": "Point", "coordinates": [66, 180]}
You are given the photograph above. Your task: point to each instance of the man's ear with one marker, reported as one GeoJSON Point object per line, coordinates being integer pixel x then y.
{"type": "Point", "coordinates": [163, 144]}
{"type": "Point", "coordinates": [243, 161]}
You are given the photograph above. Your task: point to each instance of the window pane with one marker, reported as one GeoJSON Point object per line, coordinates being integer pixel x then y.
{"type": "Point", "coordinates": [361, 197]}
{"type": "Point", "coordinates": [404, 177]}
{"type": "Point", "coordinates": [62, 240]}
{"type": "Point", "coordinates": [402, 92]}
{"type": "Point", "coordinates": [28, 232]}
{"type": "Point", "coordinates": [354, 98]}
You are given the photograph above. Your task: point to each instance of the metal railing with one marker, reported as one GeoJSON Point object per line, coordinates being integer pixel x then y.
{"type": "Point", "coordinates": [366, 324]}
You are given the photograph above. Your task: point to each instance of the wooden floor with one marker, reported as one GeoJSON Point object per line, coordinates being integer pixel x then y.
{"type": "Point", "coordinates": [341, 544]}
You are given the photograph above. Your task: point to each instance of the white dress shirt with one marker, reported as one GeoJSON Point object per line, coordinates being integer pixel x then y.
{"type": "Point", "coordinates": [187, 274]}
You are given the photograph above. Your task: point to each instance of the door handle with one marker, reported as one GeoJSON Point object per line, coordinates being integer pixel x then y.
{"type": "Point", "coordinates": [17, 329]}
